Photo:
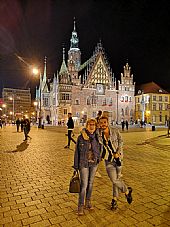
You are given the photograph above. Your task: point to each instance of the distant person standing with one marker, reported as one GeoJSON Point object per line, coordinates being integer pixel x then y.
{"type": "Point", "coordinates": [70, 126]}
{"type": "Point", "coordinates": [127, 125]}
{"type": "Point", "coordinates": [99, 114]}
{"type": "Point", "coordinates": [0, 123]}
{"type": "Point", "coordinates": [18, 124]}
{"type": "Point", "coordinates": [123, 125]}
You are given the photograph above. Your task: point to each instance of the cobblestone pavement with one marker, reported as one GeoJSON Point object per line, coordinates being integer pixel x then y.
{"type": "Point", "coordinates": [35, 176]}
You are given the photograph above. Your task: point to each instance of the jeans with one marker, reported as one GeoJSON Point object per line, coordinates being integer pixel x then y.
{"type": "Point", "coordinates": [114, 173]}
{"type": "Point", "coordinates": [26, 133]}
{"type": "Point", "coordinates": [70, 138]}
{"type": "Point", "coordinates": [86, 178]}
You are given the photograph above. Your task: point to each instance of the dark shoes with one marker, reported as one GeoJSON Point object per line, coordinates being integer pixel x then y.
{"type": "Point", "coordinates": [129, 195]}
{"type": "Point", "coordinates": [88, 205]}
{"type": "Point", "coordinates": [114, 204]}
{"type": "Point", "coordinates": [67, 146]}
{"type": "Point", "coordinates": [81, 210]}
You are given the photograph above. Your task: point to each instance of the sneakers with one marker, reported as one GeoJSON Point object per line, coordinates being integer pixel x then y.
{"type": "Point", "coordinates": [67, 146]}
{"type": "Point", "coordinates": [98, 175]}
{"type": "Point", "coordinates": [114, 204]}
{"type": "Point", "coordinates": [81, 210]}
{"type": "Point", "coordinates": [129, 195]}
{"type": "Point", "coordinates": [88, 205]}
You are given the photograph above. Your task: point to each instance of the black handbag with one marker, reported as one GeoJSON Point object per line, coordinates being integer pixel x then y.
{"type": "Point", "coordinates": [74, 186]}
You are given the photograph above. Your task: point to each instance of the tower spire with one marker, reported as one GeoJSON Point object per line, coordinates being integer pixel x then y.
{"type": "Point", "coordinates": [45, 70]}
{"type": "Point", "coordinates": [74, 24]}
{"type": "Point", "coordinates": [74, 39]}
{"type": "Point", "coordinates": [63, 68]}
{"type": "Point", "coordinates": [63, 54]}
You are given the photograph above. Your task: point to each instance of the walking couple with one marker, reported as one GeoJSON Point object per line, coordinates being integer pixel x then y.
{"type": "Point", "coordinates": [94, 145]}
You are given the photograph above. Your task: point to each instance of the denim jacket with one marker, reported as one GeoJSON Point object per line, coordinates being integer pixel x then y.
{"type": "Point", "coordinates": [82, 147]}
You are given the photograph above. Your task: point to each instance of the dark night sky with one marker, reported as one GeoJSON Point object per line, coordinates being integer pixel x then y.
{"type": "Point", "coordinates": [137, 30]}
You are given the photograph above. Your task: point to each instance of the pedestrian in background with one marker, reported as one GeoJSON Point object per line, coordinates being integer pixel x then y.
{"type": "Point", "coordinates": [86, 159]}
{"type": "Point", "coordinates": [127, 125]}
{"type": "Point", "coordinates": [70, 127]}
{"type": "Point", "coordinates": [112, 154]}
{"type": "Point", "coordinates": [123, 125]}
{"type": "Point", "coordinates": [27, 128]}
{"type": "Point", "coordinates": [99, 114]}
{"type": "Point", "coordinates": [18, 124]}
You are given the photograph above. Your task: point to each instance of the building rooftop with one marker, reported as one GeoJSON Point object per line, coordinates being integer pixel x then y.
{"type": "Point", "coordinates": [150, 87]}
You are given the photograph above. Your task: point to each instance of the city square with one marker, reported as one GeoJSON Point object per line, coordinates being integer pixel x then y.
{"type": "Point", "coordinates": [71, 74]}
{"type": "Point", "coordinates": [35, 179]}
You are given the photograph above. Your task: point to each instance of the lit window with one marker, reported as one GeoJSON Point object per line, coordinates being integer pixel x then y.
{"type": "Point", "coordinates": [65, 111]}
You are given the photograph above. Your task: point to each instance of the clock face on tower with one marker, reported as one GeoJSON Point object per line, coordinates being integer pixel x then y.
{"type": "Point", "coordinates": [100, 89]}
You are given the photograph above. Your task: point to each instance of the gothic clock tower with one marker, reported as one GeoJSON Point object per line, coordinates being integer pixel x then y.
{"type": "Point", "coordinates": [74, 57]}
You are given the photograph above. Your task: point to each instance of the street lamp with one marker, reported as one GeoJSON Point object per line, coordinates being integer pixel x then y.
{"type": "Point", "coordinates": [117, 106]}
{"type": "Point", "coordinates": [35, 72]}
{"type": "Point", "coordinates": [13, 106]}
{"type": "Point", "coordinates": [143, 107]}
{"type": "Point", "coordinates": [35, 105]}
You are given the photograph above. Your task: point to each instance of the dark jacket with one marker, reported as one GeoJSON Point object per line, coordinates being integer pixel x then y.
{"type": "Point", "coordinates": [70, 123]}
{"type": "Point", "coordinates": [82, 148]}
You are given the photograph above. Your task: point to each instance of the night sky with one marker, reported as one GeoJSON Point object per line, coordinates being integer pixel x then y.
{"type": "Point", "coordinates": [137, 30]}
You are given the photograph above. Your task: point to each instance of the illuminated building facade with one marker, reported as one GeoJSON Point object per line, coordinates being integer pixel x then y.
{"type": "Point", "coordinates": [17, 102]}
{"type": "Point", "coordinates": [151, 104]}
{"type": "Point", "coordinates": [83, 89]}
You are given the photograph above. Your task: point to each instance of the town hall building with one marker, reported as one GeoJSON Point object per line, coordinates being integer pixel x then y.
{"type": "Point", "coordinates": [85, 88]}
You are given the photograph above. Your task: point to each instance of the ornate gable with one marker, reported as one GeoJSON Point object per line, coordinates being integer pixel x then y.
{"type": "Point", "coordinates": [45, 88]}
{"type": "Point", "coordinates": [99, 73]}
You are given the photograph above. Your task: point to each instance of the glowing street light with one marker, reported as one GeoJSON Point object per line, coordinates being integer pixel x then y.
{"type": "Point", "coordinates": [35, 71]}
{"type": "Point", "coordinates": [13, 105]}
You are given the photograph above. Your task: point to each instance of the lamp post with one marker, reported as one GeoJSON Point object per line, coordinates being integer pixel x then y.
{"type": "Point", "coordinates": [35, 72]}
{"type": "Point", "coordinates": [35, 105]}
{"type": "Point", "coordinates": [117, 93]}
{"type": "Point", "coordinates": [13, 106]}
{"type": "Point", "coordinates": [39, 118]}
{"type": "Point", "coordinates": [143, 107]}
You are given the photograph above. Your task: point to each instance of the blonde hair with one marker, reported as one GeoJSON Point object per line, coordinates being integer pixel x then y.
{"type": "Point", "coordinates": [91, 120]}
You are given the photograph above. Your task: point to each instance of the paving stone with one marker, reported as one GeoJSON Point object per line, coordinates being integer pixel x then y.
{"type": "Point", "coordinates": [14, 224]}
{"type": "Point", "coordinates": [41, 223]}
{"type": "Point", "coordinates": [34, 219]}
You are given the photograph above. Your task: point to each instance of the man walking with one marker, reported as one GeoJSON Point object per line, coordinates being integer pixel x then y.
{"type": "Point", "coordinates": [70, 126]}
{"type": "Point", "coordinates": [26, 129]}
{"type": "Point", "coordinates": [113, 154]}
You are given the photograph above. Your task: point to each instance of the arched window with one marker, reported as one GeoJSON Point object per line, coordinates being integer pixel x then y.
{"type": "Point", "coordinates": [122, 99]}
{"type": "Point", "coordinates": [104, 102]}
{"type": "Point", "coordinates": [122, 111]}
{"type": "Point", "coordinates": [127, 111]}
{"type": "Point", "coordinates": [88, 101]}
{"type": "Point", "coordinates": [131, 112]}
